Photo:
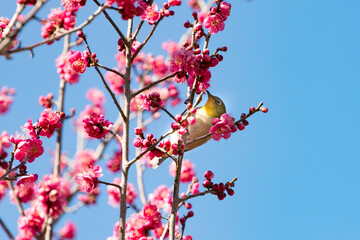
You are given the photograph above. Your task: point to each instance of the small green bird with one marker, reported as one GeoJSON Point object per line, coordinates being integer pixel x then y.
{"type": "Point", "coordinates": [213, 108]}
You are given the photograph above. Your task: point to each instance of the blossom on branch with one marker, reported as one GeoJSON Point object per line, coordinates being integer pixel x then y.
{"type": "Point", "coordinates": [29, 150]}
{"type": "Point", "coordinates": [87, 180]}
{"type": "Point", "coordinates": [223, 127]}
{"type": "Point", "coordinates": [49, 121]}
{"type": "Point", "coordinates": [96, 126]}
{"type": "Point", "coordinates": [151, 14]}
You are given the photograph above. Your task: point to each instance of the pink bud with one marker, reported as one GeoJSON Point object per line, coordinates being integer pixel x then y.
{"type": "Point", "coordinates": [230, 191]}
{"type": "Point", "coordinates": [209, 175]}
{"type": "Point", "coordinates": [190, 214]}
{"type": "Point", "coordinates": [178, 118]}
{"type": "Point", "coordinates": [137, 142]}
{"type": "Point", "coordinates": [182, 220]}
{"type": "Point", "coordinates": [174, 125]}
{"type": "Point", "coordinates": [138, 131]}
{"type": "Point", "coordinates": [240, 126]}
{"type": "Point", "coordinates": [221, 196]}
{"type": "Point", "coordinates": [251, 110]}
{"type": "Point", "coordinates": [264, 109]}
{"type": "Point", "coordinates": [206, 183]}
{"type": "Point", "coordinates": [188, 205]}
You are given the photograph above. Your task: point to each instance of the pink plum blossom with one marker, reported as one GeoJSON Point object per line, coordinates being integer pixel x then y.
{"type": "Point", "coordinates": [49, 121]}
{"type": "Point", "coordinates": [51, 195]}
{"type": "Point", "coordinates": [214, 23]}
{"type": "Point", "coordinates": [77, 61]}
{"type": "Point", "coordinates": [29, 150]}
{"type": "Point", "coordinates": [223, 127]}
{"type": "Point", "coordinates": [87, 180]}
{"type": "Point", "coordinates": [151, 14]}
{"type": "Point", "coordinates": [96, 96]}
{"type": "Point", "coordinates": [96, 126]}
{"type": "Point", "coordinates": [68, 231]}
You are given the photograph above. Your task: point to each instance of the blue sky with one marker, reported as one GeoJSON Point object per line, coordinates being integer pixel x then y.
{"type": "Point", "coordinates": [297, 165]}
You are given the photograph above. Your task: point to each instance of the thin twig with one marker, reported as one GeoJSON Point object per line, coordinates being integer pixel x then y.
{"type": "Point", "coordinates": [113, 23]}
{"type": "Point", "coordinates": [153, 84]}
{"type": "Point", "coordinates": [110, 184]}
{"type": "Point", "coordinates": [147, 39]}
{"type": "Point", "coordinates": [57, 37]}
{"type": "Point", "coordinates": [106, 85]}
{"type": "Point", "coordinates": [110, 70]}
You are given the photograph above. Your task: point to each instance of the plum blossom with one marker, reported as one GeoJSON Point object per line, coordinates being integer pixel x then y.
{"type": "Point", "coordinates": [96, 126]}
{"type": "Point", "coordinates": [65, 71]}
{"type": "Point", "coordinates": [214, 23]}
{"type": "Point", "coordinates": [114, 164]}
{"type": "Point", "coordinates": [96, 96]}
{"type": "Point", "coordinates": [116, 82]}
{"type": "Point", "coordinates": [51, 195]}
{"type": "Point", "coordinates": [183, 61]}
{"type": "Point", "coordinates": [68, 231]}
{"type": "Point", "coordinates": [162, 198]}
{"type": "Point", "coordinates": [29, 150]}
{"type": "Point", "coordinates": [49, 121]}
{"type": "Point", "coordinates": [128, 8]}
{"type": "Point", "coordinates": [30, 223]}
{"type": "Point", "coordinates": [151, 14]}
{"type": "Point", "coordinates": [223, 127]}
{"type": "Point", "coordinates": [57, 20]}
{"type": "Point", "coordinates": [87, 180]}
{"type": "Point", "coordinates": [73, 5]}
{"type": "Point", "coordinates": [25, 187]}
{"type": "Point", "coordinates": [46, 101]}
{"type": "Point", "coordinates": [78, 61]}
{"type": "Point", "coordinates": [187, 171]}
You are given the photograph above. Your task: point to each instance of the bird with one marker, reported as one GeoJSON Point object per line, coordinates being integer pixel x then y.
{"type": "Point", "coordinates": [213, 108]}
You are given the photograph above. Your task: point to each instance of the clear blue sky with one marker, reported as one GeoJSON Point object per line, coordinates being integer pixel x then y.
{"type": "Point", "coordinates": [297, 165]}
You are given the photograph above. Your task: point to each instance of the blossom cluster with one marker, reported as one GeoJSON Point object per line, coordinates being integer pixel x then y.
{"type": "Point", "coordinates": [139, 224]}
{"type": "Point", "coordinates": [96, 126]}
{"type": "Point", "coordinates": [49, 198]}
{"type": "Point", "coordinates": [56, 22]}
{"type": "Point", "coordinates": [217, 188]}
{"type": "Point", "coordinates": [145, 143]}
{"type": "Point", "coordinates": [87, 180]}
{"type": "Point", "coordinates": [73, 5]}
{"type": "Point", "coordinates": [222, 127]}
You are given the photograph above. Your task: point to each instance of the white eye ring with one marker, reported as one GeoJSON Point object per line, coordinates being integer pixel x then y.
{"type": "Point", "coordinates": [218, 102]}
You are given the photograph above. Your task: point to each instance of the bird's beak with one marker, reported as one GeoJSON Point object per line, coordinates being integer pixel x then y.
{"type": "Point", "coordinates": [209, 94]}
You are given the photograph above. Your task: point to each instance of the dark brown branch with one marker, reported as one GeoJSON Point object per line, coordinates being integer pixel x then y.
{"type": "Point", "coordinates": [6, 229]}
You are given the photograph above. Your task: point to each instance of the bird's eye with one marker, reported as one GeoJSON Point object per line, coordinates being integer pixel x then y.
{"type": "Point", "coordinates": [218, 102]}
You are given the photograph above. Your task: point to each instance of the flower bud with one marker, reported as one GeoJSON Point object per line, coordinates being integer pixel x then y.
{"type": "Point", "coordinates": [264, 109]}
{"type": "Point", "coordinates": [209, 175]}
